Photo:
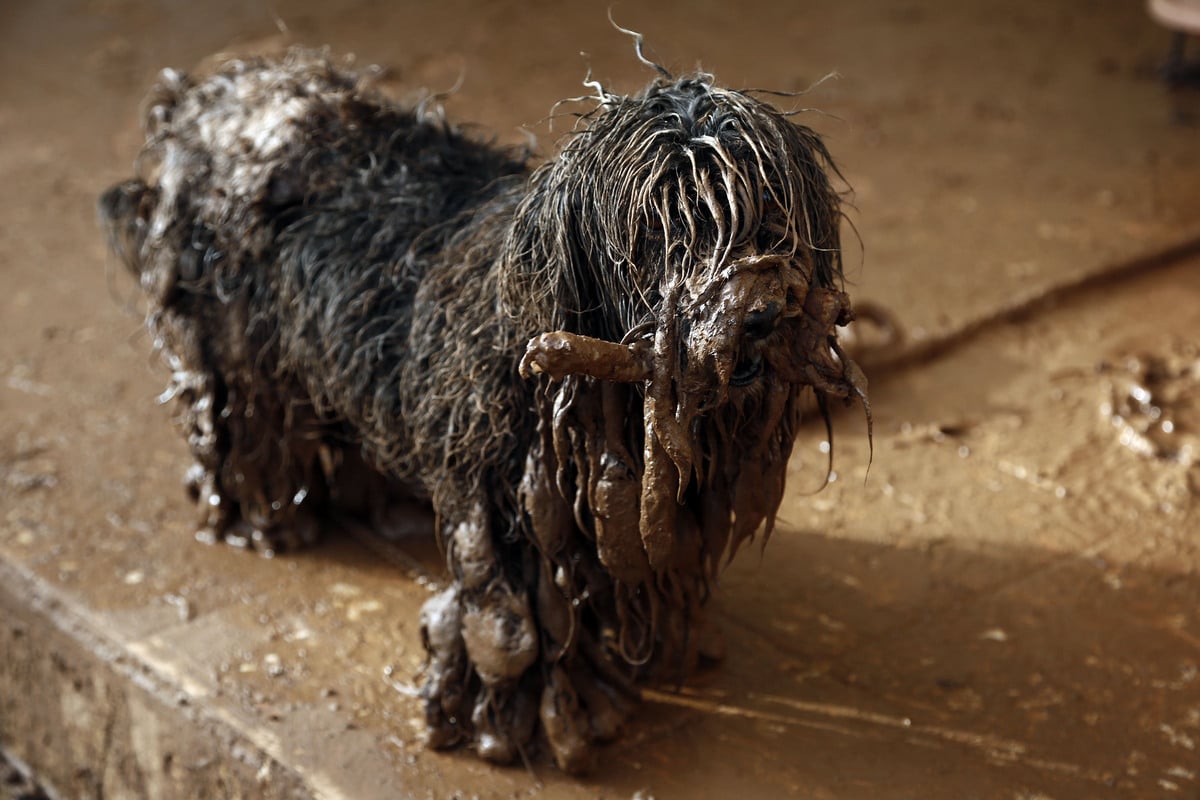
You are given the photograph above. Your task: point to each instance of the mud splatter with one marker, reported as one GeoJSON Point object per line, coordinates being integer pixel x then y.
{"type": "Point", "coordinates": [1154, 403]}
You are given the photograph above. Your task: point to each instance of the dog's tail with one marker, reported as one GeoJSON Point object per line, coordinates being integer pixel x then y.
{"type": "Point", "coordinates": [124, 213]}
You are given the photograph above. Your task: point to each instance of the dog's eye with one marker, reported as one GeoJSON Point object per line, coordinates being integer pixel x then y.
{"type": "Point", "coordinates": [772, 230]}
{"type": "Point", "coordinates": [760, 323]}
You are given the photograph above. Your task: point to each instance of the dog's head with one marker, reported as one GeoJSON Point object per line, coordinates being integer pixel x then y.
{"type": "Point", "coordinates": [703, 225]}
{"type": "Point", "coordinates": [662, 197]}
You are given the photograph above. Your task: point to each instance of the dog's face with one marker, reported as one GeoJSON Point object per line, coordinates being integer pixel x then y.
{"type": "Point", "coordinates": [736, 221]}
{"type": "Point", "coordinates": [701, 214]}
{"type": "Point", "coordinates": [703, 224]}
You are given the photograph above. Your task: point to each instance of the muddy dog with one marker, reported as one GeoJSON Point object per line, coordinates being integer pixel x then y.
{"type": "Point", "coordinates": [593, 370]}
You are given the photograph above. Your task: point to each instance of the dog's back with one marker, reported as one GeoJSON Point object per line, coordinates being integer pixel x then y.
{"type": "Point", "coordinates": [283, 221]}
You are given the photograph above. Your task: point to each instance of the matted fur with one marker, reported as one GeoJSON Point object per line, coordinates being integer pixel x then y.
{"type": "Point", "coordinates": [348, 292]}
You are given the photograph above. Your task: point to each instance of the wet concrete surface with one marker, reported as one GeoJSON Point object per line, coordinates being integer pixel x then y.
{"type": "Point", "coordinates": [1003, 606]}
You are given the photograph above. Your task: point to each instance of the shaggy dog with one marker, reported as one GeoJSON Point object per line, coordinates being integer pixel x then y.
{"type": "Point", "coordinates": [593, 370]}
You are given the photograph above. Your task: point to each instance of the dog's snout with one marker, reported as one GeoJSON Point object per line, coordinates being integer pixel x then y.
{"type": "Point", "coordinates": [761, 322]}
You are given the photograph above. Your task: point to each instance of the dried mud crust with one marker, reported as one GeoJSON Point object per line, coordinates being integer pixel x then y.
{"type": "Point", "coordinates": [1151, 401]}
{"type": "Point", "coordinates": [594, 370]}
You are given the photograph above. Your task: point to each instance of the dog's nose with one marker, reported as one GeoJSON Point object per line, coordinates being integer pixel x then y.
{"type": "Point", "coordinates": [761, 322]}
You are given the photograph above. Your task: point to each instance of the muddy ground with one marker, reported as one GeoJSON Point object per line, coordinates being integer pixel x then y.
{"type": "Point", "coordinates": [1003, 605]}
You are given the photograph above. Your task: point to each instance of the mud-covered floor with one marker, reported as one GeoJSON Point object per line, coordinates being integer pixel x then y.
{"type": "Point", "coordinates": [1003, 606]}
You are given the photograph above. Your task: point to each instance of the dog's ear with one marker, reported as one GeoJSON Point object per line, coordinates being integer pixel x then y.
{"type": "Point", "coordinates": [547, 263]}
{"type": "Point", "coordinates": [819, 201]}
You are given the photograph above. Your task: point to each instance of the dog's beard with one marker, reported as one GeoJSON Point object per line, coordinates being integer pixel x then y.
{"type": "Point", "coordinates": [687, 458]}
{"type": "Point", "coordinates": [722, 404]}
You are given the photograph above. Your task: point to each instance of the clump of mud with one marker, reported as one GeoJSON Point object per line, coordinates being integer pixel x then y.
{"type": "Point", "coordinates": [1153, 403]}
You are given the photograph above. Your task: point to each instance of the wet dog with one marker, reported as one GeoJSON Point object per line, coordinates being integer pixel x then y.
{"type": "Point", "coordinates": [592, 369]}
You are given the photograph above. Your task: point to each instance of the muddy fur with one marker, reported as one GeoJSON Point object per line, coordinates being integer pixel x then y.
{"type": "Point", "coordinates": [593, 369]}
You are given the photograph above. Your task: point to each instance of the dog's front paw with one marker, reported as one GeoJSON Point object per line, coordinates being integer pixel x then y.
{"type": "Point", "coordinates": [446, 691]}
{"type": "Point", "coordinates": [478, 686]}
{"type": "Point", "coordinates": [504, 720]}
{"type": "Point", "coordinates": [581, 707]}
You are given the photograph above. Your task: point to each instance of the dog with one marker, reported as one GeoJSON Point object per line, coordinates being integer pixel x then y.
{"type": "Point", "coordinates": [592, 369]}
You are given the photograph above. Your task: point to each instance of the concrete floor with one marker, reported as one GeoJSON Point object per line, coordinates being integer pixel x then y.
{"type": "Point", "coordinates": [1002, 606]}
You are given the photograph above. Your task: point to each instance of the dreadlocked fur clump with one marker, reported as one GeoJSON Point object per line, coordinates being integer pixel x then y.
{"type": "Point", "coordinates": [592, 371]}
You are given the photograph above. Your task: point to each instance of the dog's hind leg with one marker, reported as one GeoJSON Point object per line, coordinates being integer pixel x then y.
{"type": "Point", "coordinates": [261, 465]}
{"type": "Point", "coordinates": [263, 458]}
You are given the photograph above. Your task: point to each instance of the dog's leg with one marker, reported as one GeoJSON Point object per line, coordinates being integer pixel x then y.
{"type": "Point", "coordinates": [447, 690]}
{"type": "Point", "coordinates": [507, 648]}
{"type": "Point", "coordinates": [260, 467]}
{"type": "Point", "coordinates": [585, 697]}
{"type": "Point", "coordinates": [197, 392]}
{"type": "Point", "coordinates": [482, 639]}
